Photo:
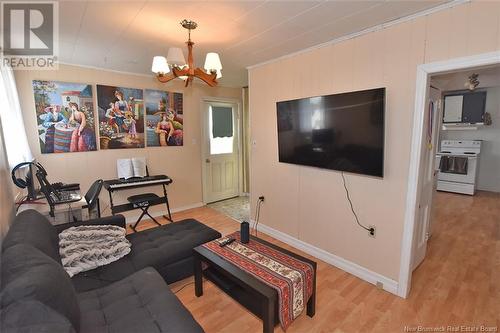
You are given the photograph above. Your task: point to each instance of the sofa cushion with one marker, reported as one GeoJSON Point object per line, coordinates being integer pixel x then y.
{"type": "Point", "coordinates": [163, 248]}
{"type": "Point", "coordinates": [31, 227]}
{"type": "Point", "coordinates": [30, 275]}
{"type": "Point", "coordinates": [104, 275]}
{"type": "Point", "coordinates": [141, 302]}
{"type": "Point", "coordinates": [33, 317]}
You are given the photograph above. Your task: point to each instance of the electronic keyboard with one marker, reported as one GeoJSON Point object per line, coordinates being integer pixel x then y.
{"type": "Point", "coordinates": [113, 185]}
{"type": "Point", "coordinates": [121, 183]}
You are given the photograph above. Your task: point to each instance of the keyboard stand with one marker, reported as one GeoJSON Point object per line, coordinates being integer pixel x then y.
{"type": "Point", "coordinates": [116, 209]}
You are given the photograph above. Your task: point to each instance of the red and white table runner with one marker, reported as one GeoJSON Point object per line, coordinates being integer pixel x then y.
{"type": "Point", "coordinates": [291, 278]}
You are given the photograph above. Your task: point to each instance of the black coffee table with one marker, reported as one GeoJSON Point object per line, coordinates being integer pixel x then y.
{"type": "Point", "coordinates": [253, 294]}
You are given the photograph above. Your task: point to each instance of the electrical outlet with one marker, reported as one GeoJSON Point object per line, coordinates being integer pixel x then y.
{"type": "Point", "coordinates": [261, 198]}
{"type": "Point", "coordinates": [373, 231]}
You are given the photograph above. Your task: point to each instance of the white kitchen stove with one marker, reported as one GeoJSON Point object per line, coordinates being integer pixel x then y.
{"type": "Point", "coordinates": [457, 164]}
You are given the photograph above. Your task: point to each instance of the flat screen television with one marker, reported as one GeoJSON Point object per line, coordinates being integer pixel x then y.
{"type": "Point", "coordinates": [342, 132]}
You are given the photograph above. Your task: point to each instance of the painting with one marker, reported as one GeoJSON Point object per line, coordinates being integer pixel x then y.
{"type": "Point", "coordinates": [121, 117]}
{"type": "Point", "coordinates": [65, 116]}
{"type": "Point", "coordinates": [164, 118]}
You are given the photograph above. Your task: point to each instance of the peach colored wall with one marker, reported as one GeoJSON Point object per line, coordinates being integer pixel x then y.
{"type": "Point", "coordinates": [309, 203]}
{"type": "Point", "coordinates": [183, 164]}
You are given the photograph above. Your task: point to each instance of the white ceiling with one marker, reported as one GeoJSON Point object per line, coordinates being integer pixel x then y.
{"type": "Point", "coordinates": [125, 35]}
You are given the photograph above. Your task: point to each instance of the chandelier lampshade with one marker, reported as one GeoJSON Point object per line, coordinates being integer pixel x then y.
{"type": "Point", "coordinates": [212, 63]}
{"type": "Point", "coordinates": [175, 57]}
{"type": "Point", "coordinates": [175, 65]}
{"type": "Point", "coordinates": [160, 65]}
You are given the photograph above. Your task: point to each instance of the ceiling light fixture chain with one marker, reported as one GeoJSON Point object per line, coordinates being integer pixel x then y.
{"type": "Point", "coordinates": [189, 25]}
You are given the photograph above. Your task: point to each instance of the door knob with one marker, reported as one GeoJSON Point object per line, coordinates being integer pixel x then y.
{"type": "Point", "coordinates": [207, 160]}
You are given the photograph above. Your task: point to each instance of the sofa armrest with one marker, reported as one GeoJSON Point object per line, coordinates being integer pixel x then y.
{"type": "Point", "coordinates": [117, 220]}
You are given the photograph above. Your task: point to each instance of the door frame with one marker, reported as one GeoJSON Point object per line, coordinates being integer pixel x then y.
{"type": "Point", "coordinates": [424, 72]}
{"type": "Point", "coordinates": [203, 150]}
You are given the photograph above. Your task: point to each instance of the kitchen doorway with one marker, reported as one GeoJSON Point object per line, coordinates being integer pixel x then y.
{"type": "Point", "coordinates": [418, 166]}
{"type": "Point", "coordinates": [462, 153]}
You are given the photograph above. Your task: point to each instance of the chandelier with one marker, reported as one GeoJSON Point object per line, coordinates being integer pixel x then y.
{"type": "Point", "coordinates": [175, 66]}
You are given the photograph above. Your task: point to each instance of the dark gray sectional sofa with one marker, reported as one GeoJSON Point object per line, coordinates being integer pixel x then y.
{"type": "Point", "coordinates": [129, 295]}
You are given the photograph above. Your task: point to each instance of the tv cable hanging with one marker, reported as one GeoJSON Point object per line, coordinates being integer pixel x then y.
{"type": "Point", "coordinates": [371, 230]}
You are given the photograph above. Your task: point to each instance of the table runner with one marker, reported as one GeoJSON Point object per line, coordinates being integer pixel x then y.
{"type": "Point", "coordinates": [291, 278]}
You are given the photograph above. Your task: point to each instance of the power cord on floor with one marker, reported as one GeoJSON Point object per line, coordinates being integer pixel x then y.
{"type": "Point", "coordinates": [184, 286]}
{"type": "Point", "coordinates": [257, 213]}
{"type": "Point", "coordinates": [187, 284]}
{"type": "Point", "coordinates": [371, 230]}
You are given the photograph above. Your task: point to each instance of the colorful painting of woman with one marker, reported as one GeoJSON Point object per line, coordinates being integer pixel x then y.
{"type": "Point", "coordinates": [164, 129]}
{"type": "Point", "coordinates": [52, 117]}
{"type": "Point", "coordinates": [82, 138]}
{"type": "Point", "coordinates": [169, 130]}
{"type": "Point", "coordinates": [176, 136]}
{"type": "Point", "coordinates": [121, 106]}
{"type": "Point", "coordinates": [121, 117]}
{"type": "Point", "coordinates": [164, 116]}
{"type": "Point", "coordinates": [57, 104]}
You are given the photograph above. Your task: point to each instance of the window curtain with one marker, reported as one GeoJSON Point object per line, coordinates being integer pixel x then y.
{"type": "Point", "coordinates": [13, 132]}
{"type": "Point", "coordinates": [222, 121]}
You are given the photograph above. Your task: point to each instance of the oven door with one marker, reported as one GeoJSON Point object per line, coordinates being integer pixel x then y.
{"type": "Point", "coordinates": [468, 178]}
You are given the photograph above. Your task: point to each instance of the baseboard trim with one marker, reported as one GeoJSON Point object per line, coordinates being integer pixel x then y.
{"type": "Point", "coordinates": [341, 263]}
{"type": "Point", "coordinates": [133, 218]}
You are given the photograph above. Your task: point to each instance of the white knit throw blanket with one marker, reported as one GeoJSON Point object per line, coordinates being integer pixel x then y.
{"type": "Point", "coordinates": [84, 248]}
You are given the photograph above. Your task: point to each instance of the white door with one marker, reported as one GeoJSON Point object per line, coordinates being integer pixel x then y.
{"type": "Point", "coordinates": [220, 153]}
{"type": "Point", "coordinates": [423, 226]}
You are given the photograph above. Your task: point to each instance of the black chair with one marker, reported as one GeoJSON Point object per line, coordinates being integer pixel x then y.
{"type": "Point", "coordinates": [92, 197]}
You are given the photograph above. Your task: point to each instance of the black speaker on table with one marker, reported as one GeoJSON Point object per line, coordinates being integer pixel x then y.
{"type": "Point", "coordinates": [245, 232]}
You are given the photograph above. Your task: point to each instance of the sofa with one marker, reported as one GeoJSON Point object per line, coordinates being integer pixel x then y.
{"type": "Point", "coordinates": [128, 295]}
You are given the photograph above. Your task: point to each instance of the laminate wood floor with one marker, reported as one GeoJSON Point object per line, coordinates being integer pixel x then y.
{"type": "Point", "coordinates": [458, 284]}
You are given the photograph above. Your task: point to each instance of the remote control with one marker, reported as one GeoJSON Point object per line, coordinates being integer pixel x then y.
{"type": "Point", "coordinates": [226, 242]}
